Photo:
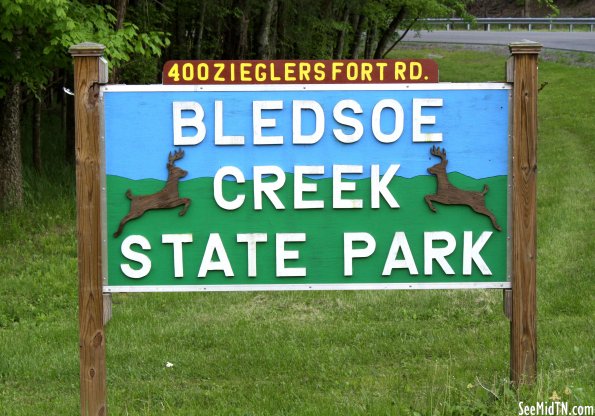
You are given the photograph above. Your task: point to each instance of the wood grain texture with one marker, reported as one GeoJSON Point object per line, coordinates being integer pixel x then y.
{"type": "Point", "coordinates": [448, 194]}
{"type": "Point", "coordinates": [91, 326]}
{"type": "Point", "coordinates": [168, 197]}
{"type": "Point", "coordinates": [523, 329]}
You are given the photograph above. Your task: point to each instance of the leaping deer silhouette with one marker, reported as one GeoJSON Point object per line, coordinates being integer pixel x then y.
{"type": "Point", "coordinates": [168, 197]}
{"type": "Point", "coordinates": [448, 194]}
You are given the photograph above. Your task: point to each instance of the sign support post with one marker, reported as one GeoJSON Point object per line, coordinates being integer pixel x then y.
{"type": "Point", "coordinates": [523, 328]}
{"type": "Point", "coordinates": [87, 75]}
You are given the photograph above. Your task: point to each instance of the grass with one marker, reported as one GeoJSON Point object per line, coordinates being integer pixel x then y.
{"type": "Point", "coordinates": [315, 353]}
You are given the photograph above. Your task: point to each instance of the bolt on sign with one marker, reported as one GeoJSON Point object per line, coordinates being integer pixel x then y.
{"type": "Point", "coordinates": [297, 175]}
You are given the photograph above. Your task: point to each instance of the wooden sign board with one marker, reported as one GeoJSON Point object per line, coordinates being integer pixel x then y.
{"type": "Point", "coordinates": [299, 186]}
{"type": "Point", "coordinates": [306, 186]}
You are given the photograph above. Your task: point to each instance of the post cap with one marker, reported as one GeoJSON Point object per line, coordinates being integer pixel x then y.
{"type": "Point", "coordinates": [525, 47]}
{"type": "Point", "coordinates": [87, 49]}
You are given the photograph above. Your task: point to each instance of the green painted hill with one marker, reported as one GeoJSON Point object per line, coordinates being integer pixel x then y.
{"type": "Point", "coordinates": [322, 252]}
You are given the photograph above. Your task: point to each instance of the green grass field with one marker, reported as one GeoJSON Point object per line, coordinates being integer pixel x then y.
{"type": "Point", "coordinates": [315, 353]}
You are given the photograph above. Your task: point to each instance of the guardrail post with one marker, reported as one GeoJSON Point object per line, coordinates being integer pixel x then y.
{"type": "Point", "coordinates": [523, 336]}
{"type": "Point", "coordinates": [87, 76]}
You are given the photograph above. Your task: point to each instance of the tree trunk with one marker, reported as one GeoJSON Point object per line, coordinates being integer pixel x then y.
{"type": "Point", "coordinates": [235, 42]}
{"type": "Point", "coordinates": [400, 38]}
{"type": "Point", "coordinates": [63, 108]}
{"type": "Point", "coordinates": [370, 39]}
{"type": "Point", "coordinates": [359, 24]}
{"type": "Point", "coordinates": [36, 134]}
{"type": "Point", "coordinates": [181, 40]}
{"type": "Point", "coordinates": [341, 38]}
{"type": "Point", "coordinates": [273, 32]}
{"type": "Point", "coordinates": [280, 49]}
{"type": "Point", "coordinates": [527, 8]}
{"type": "Point", "coordinates": [121, 13]}
{"type": "Point", "coordinates": [201, 27]}
{"type": "Point", "coordinates": [220, 33]}
{"type": "Point", "coordinates": [243, 47]}
{"type": "Point", "coordinates": [120, 16]}
{"type": "Point", "coordinates": [11, 167]}
{"type": "Point", "coordinates": [389, 33]}
{"type": "Point", "coordinates": [264, 51]}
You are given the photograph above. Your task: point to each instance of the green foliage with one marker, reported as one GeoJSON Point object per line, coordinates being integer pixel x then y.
{"type": "Point", "coordinates": [141, 70]}
{"type": "Point", "coordinates": [35, 36]}
{"type": "Point", "coordinates": [95, 24]}
{"type": "Point", "coordinates": [551, 6]}
{"type": "Point", "coordinates": [25, 26]}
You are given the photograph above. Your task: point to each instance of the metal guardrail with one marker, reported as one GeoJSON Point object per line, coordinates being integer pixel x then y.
{"type": "Point", "coordinates": [487, 22]}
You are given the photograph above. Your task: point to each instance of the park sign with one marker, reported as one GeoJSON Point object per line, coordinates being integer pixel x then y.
{"type": "Point", "coordinates": [269, 183]}
{"type": "Point", "coordinates": [298, 175]}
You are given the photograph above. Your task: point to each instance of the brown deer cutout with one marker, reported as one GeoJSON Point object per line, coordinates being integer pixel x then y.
{"type": "Point", "coordinates": [168, 197]}
{"type": "Point", "coordinates": [448, 194]}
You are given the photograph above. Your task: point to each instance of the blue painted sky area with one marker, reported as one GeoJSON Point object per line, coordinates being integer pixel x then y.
{"type": "Point", "coordinates": [139, 133]}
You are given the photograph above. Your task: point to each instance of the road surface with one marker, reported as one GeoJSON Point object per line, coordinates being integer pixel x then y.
{"type": "Point", "coordinates": [572, 41]}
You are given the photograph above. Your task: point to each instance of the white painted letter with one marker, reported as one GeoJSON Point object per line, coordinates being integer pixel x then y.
{"type": "Point", "coordinates": [358, 128]}
{"type": "Point", "coordinates": [300, 187]}
{"type": "Point", "coordinates": [215, 246]}
{"type": "Point", "coordinates": [298, 106]}
{"type": "Point", "coordinates": [135, 256]}
{"type": "Point", "coordinates": [472, 252]}
{"type": "Point", "coordinates": [218, 187]}
{"type": "Point", "coordinates": [220, 139]}
{"type": "Point", "coordinates": [180, 122]}
{"type": "Point", "coordinates": [268, 188]}
{"type": "Point", "coordinates": [339, 186]}
{"type": "Point", "coordinates": [260, 123]}
{"type": "Point", "coordinates": [282, 255]}
{"type": "Point", "coordinates": [177, 240]}
{"type": "Point", "coordinates": [251, 240]}
{"type": "Point", "coordinates": [399, 120]}
{"type": "Point", "coordinates": [350, 253]}
{"type": "Point", "coordinates": [418, 120]}
{"type": "Point", "coordinates": [380, 186]}
{"type": "Point", "coordinates": [399, 243]}
{"type": "Point", "coordinates": [438, 254]}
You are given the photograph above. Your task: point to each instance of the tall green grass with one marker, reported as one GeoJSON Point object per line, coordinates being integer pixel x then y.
{"type": "Point", "coordinates": [315, 353]}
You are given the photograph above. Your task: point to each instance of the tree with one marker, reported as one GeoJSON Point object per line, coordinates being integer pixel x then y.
{"type": "Point", "coordinates": [284, 29]}
{"type": "Point", "coordinates": [34, 39]}
{"type": "Point", "coordinates": [22, 25]}
{"type": "Point", "coordinates": [387, 17]}
{"type": "Point", "coordinates": [264, 31]}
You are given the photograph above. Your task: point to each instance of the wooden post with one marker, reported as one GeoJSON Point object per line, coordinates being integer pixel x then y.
{"type": "Point", "coordinates": [523, 331]}
{"type": "Point", "coordinates": [87, 130]}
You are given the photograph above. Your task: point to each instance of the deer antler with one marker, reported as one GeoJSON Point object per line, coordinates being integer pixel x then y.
{"type": "Point", "coordinates": [178, 154]}
{"type": "Point", "coordinates": [437, 152]}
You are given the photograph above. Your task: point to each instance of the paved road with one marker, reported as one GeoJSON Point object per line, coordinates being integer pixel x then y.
{"type": "Point", "coordinates": [573, 41]}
